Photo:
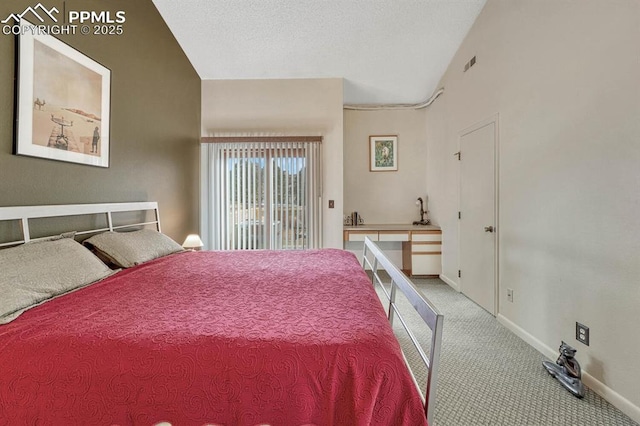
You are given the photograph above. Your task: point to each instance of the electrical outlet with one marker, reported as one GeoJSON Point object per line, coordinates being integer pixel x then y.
{"type": "Point", "coordinates": [582, 333]}
{"type": "Point", "coordinates": [331, 204]}
{"type": "Point", "coordinates": [510, 295]}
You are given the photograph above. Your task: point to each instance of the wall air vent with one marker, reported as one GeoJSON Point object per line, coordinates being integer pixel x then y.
{"type": "Point", "coordinates": [469, 64]}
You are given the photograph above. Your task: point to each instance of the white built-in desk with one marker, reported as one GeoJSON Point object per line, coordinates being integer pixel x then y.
{"type": "Point", "coordinates": [421, 245]}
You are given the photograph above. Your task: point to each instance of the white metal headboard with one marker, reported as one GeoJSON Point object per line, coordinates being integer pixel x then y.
{"type": "Point", "coordinates": [25, 213]}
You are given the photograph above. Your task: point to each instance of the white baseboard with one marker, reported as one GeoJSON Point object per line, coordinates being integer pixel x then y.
{"type": "Point", "coordinates": [617, 400]}
{"type": "Point", "coordinates": [454, 285]}
{"type": "Point", "coordinates": [524, 335]}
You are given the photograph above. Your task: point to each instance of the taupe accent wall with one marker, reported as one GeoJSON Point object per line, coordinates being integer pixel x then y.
{"type": "Point", "coordinates": [155, 122]}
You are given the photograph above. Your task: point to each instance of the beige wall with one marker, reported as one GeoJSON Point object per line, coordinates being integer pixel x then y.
{"type": "Point", "coordinates": [155, 118]}
{"type": "Point", "coordinates": [385, 197]}
{"type": "Point", "coordinates": [564, 78]}
{"type": "Point", "coordinates": [301, 107]}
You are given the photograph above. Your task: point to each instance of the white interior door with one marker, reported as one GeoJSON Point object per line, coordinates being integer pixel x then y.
{"type": "Point", "coordinates": [477, 221]}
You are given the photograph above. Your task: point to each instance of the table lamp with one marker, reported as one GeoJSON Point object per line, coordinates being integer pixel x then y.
{"type": "Point", "coordinates": [192, 242]}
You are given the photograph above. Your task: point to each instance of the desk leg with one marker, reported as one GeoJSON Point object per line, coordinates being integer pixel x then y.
{"type": "Point", "coordinates": [406, 258]}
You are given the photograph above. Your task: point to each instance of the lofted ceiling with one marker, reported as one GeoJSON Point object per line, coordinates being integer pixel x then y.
{"type": "Point", "coordinates": [387, 51]}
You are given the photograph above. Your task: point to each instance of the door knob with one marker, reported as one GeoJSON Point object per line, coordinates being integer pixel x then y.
{"type": "Point", "coordinates": [488, 229]}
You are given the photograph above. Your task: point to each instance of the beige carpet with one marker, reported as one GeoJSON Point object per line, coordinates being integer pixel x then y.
{"type": "Point", "coordinates": [489, 376]}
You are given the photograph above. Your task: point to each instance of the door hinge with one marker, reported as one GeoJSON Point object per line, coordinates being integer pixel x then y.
{"type": "Point", "coordinates": [459, 154]}
{"type": "Point", "coordinates": [459, 215]}
{"type": "Point", "coordinates": [459, 273]}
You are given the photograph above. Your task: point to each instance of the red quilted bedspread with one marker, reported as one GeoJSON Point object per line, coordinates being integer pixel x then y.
{"type": "Point", "coordinates": [225, 338]}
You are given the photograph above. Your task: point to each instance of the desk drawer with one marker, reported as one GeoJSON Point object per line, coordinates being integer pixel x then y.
{"type": "Point", "coordinates": [393, 236]}
{"type": "Point", "coordinates": [426, 264]}
{"type": "Point", "coordinates": [426, 236]}
{"type": "Point", "coordinates": [360, 235]}
{"type": "Point", "coordinates": [426, 247]}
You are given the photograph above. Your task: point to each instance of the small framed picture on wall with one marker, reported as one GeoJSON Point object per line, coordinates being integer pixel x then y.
{"type": "Point", "coordinates": [383, 153]}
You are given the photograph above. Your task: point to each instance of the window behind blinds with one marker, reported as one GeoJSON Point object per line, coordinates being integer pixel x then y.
{"type": "Point", "coordinates": [262, 195]}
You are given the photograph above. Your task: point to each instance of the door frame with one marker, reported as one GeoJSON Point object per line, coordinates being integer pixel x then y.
{"type": "Point", "coordinates": [495, 119]}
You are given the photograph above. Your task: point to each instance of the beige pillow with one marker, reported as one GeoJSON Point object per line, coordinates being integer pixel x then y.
{"type": "Point", "coordinates": [70, 234]}
{"type": "Point", "coordinates": [36, 272]}
{"type": "Point", "coordinates": [127, 249]}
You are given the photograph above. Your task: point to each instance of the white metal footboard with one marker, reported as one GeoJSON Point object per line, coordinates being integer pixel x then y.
{"type": "Point", "coordinates": [425, 309]}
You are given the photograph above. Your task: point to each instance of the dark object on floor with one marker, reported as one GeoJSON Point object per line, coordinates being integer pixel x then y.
{"type": "Point", "coordinates": [567, 370]}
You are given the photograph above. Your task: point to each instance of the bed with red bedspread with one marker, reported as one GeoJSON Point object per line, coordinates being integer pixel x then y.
{"type": "Point", "coordinates": [229, 338]}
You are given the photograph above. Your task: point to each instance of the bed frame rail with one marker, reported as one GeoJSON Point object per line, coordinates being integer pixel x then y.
{"type": "Point", "coordinates": [25, 213]}
{"type": "Point", "coordinates": [425, 309]}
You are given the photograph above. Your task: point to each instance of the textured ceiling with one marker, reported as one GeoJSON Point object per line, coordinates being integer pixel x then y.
{"type": "Point", "coordinates": [388, 51]}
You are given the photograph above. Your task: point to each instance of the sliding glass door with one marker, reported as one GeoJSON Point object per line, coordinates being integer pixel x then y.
{"type": "Point", "coordinates": [264, 195]}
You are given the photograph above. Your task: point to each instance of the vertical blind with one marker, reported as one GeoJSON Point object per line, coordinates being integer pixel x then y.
{"type": "Point", "coordinates": [261, 194]}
